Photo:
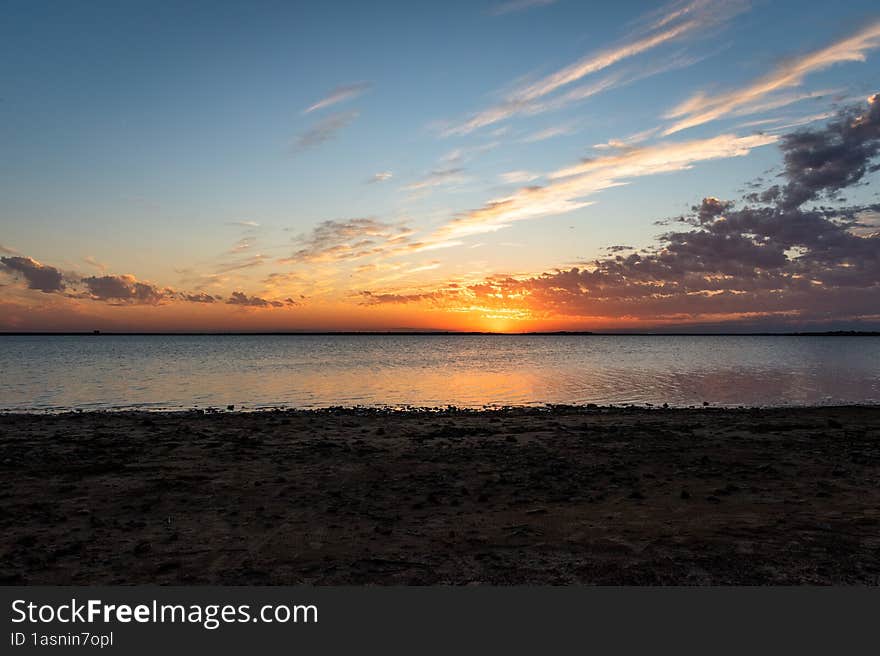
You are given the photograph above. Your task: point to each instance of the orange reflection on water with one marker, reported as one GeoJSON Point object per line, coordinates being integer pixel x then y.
{"type": "Point", "coordinates": [434, 370]}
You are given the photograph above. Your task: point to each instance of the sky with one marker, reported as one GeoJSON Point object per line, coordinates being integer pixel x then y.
{"type": "Point", "coordinates": [507, 165]}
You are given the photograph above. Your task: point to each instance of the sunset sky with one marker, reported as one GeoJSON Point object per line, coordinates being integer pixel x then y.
{"type": "Point", "coordinates": [496, 166]}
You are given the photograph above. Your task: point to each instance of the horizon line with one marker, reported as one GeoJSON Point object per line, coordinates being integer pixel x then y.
{"type": "Point", "coordinates": [391, 333]}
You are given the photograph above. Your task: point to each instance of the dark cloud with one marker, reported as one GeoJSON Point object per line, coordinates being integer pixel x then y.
{"type": "Point", "coordinates": [125, 289]}
{"type": "Point", "coordinates": [807, 263]}
{"type": "Point", "coordinates": [710, 209]}
{"type": "Point", "coordinates": [283, 278]}
{"type": "Point", "coordinates": [822, 162]}
{"type": "Point", "coordinates": [776, 255]}
{"type": "Point", "coordinates": [118, 289]}
{"type": "Point", "coordinates": [370, 298]}
{"type": "Point", "coordinates": [242, 299]}
{"type": "Point", "coordinates": [46, 278]}
{"type": "Point", "coordinates": [199, 297]}
{"type": "Point", "coordinates": [771, 195]}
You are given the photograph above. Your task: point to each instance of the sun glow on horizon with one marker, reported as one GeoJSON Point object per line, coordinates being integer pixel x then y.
{"type": "Point", "coordinates": [502, 189]}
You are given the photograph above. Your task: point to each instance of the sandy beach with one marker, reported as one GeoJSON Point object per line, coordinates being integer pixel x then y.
{"type": "Point", "coordinates": [553, 496]}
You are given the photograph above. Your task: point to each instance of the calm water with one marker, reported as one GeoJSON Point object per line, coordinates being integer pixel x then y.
{"type": "Point", "coordinates": [314, 371]}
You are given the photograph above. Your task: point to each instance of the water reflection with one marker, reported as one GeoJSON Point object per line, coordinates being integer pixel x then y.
{"type": "Point", "coordinates": [315, 371]}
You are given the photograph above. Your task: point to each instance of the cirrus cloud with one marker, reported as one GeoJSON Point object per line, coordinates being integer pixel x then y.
{"type": "Point", "coordinates": [702, 108]}
{"type": "Point", "coordinates": [338, 95]}
{"type": "Point", "coordinates": [324, 130]}
{"type": "Point", "coordinates": [569, 187]}
{"type": "Point", "coordinates": [672, 23]}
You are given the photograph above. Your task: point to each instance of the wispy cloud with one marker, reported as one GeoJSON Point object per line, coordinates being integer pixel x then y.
{"type": "Point", "coordinates": [349, 239]}
{"type": "Point", "coordinates": [324, 130]}
{"type": "Point", "coordinates": [569, 187]}
{"type": "Point", "coordinates": [518, 177]}
{"type": "Point", "coordinates": [382, 176]}
{"type": "Point", "coordinates": [665, 157]}
{"type": "Point", "coordinates": [437, 178]}
{"type": "Point", "coordinates": [243, 244]}
{"type": "Point", "coordinates": [338, 95]}
{"type": "Point", "coordinates": [248, 263]}
{"type": "Point", "coordinates": [679, 21]}
{"type": "Point", "coordinates": [93, 262]}
{"type": "Point", "coordinates": [550, 133]}
{"type": "Point", "coordinates": [599, 61]}
{"type": "Point", "coordinates": [787, 124]}
{"type": "Point", "coordinates": [516, 6]}
{"type": "Point", "coordinates": [511, 107]}
{"type": "Point", "coordinates": [627, 142]}
{"type": "Point", "coordinates": [702, 108]}
{"type": "Point", "coordinates": [385, 272]}
{"type": "Point", "coordinates": [780, 100]}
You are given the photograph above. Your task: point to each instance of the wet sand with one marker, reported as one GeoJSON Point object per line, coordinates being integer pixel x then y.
{"type": "Point", "coordinates": [561, 496]}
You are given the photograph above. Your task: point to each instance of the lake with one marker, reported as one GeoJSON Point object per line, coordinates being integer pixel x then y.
{"type": "Point", "coordinates": [309, 371]}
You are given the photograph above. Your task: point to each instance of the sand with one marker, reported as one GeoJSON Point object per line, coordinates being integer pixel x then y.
{"type": "Point", "coordinates": [519, 496]}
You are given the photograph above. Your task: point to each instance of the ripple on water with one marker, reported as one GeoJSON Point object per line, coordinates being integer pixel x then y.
{"type": "Point", "coordinates": [471, 371]}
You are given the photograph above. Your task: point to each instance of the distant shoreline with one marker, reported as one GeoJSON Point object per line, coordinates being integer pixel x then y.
{"type": "Point", "coordinates": [547, 409]}
{"type": "Point", "coordinates": [435, 333]}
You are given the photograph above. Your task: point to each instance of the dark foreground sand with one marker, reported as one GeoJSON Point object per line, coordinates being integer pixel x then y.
{"type": "Point", "coordinates": [518, 496]}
